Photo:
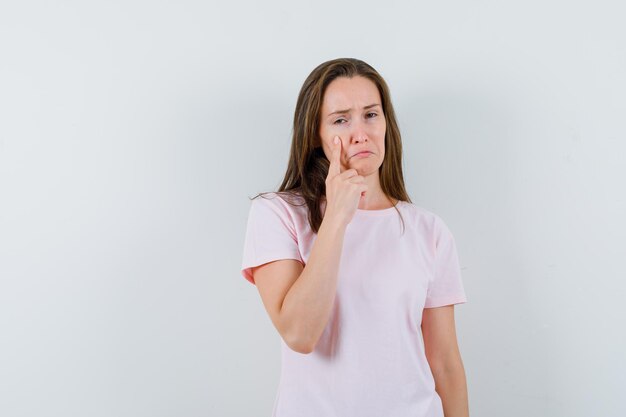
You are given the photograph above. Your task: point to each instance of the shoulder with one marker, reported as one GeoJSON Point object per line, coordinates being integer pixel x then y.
{"type": "Point", "coordinates": [286, 205]}
{"type": "Point", "coordinates": [282, 200]}
{"type": "Point", "coordinates": [421, 216]}
{"type": "Point", "coordinates": [427, 223]}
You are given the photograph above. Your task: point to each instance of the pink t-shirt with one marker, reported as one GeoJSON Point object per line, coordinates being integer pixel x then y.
{"type": "Point", "coordinates": [370, 359]}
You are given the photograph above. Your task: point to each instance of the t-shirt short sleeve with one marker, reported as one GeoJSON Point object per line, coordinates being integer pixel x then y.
{"type": "Point", "coordinates": [270, 235]}
{"type": "Point", "coordinates": [446, 286]}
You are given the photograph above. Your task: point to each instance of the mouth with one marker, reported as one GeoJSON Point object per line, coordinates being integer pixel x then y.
{"type": "Point", "coordinates": [364, 153]}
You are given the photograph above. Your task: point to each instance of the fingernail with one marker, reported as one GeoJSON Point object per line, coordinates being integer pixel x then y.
{"type": "Point", "coordinates": [336, 140]}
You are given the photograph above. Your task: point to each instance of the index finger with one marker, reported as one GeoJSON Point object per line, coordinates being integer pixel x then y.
{"type": "Point", "coordinates": [335, 160]}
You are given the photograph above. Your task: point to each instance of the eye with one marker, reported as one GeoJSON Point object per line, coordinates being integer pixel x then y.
{"type": "Point", "coordinates": [338, 120]}
{"type": "Point", "coordinates": [372, 113]}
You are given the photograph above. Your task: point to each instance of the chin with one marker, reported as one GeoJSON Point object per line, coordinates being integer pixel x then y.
{"type": "Point", "coordinates": [367, 170]}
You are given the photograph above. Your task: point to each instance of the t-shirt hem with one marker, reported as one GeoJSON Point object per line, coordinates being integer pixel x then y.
{"type": "Point", "coordinates": [246, 270]}
{"type": "Point", "coordinates": [444, 301]}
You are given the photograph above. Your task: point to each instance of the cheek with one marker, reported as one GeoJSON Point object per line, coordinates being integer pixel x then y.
{"type": "Point", "coordinates": [326, 135]}
{"type": "Point", "coordinates": [326, 147]}
{"type": "Point", "coordinates": [379, 132]}
{"type": "Point", "coordinates": [382, 127]}
{"type": "Point", "coordinates": [330, 132]}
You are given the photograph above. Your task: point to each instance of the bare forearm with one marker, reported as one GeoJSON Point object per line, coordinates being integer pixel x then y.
{"type": "Point", "coordinates": [308, 303]}
{"type": "Point", "coordinates": [451, 385]}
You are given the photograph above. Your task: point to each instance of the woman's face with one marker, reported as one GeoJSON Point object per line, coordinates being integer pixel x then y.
{"type": "Point", "coordinates": [352, 109]}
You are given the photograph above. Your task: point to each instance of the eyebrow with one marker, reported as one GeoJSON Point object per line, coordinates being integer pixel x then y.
{"type": "Point", "coordinates": [348, 110]}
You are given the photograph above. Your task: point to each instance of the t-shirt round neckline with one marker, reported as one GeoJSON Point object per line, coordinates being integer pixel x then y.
{"type": "Point", "coordinates": [381, 212]}
{"type": "Point", "coordinates": [371, 213]}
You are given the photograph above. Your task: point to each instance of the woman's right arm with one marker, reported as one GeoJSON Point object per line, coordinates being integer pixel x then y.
{"type": "Point", "coordinates": [308, 303]}
{"type": "Point", "coordinates": [309, 294]}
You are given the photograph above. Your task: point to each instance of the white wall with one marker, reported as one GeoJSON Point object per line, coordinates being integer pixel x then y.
{"type": "Point", "coordinates": [132, 134]}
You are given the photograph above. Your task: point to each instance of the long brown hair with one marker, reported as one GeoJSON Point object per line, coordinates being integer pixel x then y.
{"type": "Point", "coordinates": [308, 165]}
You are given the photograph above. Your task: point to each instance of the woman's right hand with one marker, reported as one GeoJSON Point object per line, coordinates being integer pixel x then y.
{"type": "Point", "coordinates": [344, 188]}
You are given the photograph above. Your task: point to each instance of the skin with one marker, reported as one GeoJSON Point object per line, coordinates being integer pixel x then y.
{"type": "Point", "coordinates": [444, 358]}
{"type": "Point", "coordinates": [358, 129]}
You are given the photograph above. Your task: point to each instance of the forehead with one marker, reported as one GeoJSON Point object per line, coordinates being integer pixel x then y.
{"type": "Point", "coordinates": [345, 92]}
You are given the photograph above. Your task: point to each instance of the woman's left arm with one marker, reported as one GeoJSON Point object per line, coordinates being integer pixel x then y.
{"type": "Point", "coordinates": [442, 352]}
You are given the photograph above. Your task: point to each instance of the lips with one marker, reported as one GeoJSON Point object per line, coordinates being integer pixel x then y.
{"type": "Point", "coordinates": [362, 152]}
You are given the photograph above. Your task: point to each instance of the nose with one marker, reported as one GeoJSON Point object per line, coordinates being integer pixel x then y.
{"type": "Point", "coordinates": [358, 134]}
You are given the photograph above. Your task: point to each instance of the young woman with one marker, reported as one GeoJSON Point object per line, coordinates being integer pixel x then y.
{"type": "Point", "coordinates": [359, 282]}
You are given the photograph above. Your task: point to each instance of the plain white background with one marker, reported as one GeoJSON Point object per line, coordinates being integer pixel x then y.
{"type": "Point", "coordinates": [132, 134]}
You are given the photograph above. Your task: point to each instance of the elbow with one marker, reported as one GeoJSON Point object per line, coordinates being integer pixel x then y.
{"type": "Point", "coordinates": [300, 347]}
{"type": "Point", "coordinates": [299, 344]}
{"type": "Point", "coordinates": [305, 350]}
{"type": "Point", "coordinates": [448, 368]}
